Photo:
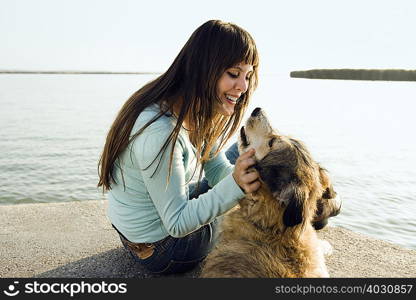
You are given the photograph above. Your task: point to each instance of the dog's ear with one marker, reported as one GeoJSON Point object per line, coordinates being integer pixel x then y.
{"type": "Point", "coordinates": [293, 214]}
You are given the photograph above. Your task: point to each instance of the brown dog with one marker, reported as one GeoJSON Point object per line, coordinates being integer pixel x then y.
{"type": "Point", "coordinates": [270, 234]}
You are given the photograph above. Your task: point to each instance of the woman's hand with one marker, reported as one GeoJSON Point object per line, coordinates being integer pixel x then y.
{"type": "Point", "coordinates": [246, 178]}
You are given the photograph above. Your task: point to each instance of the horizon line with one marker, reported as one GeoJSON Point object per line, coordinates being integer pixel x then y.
{"type": "Point", "coordinates": [76, 72]}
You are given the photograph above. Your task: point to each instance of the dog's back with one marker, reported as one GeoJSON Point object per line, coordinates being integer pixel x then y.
{"type": "Point", "coordinates": [247, 250]}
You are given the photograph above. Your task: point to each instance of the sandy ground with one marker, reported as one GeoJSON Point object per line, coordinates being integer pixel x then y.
{"type": "Point", "coordinates": [75, 239]}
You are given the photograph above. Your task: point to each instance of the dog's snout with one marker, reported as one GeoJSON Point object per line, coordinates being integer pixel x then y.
{"type": "Point", "coordinates": [256, 112]}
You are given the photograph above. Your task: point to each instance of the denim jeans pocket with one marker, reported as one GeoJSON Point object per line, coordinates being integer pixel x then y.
{"type": "Point", "coordinates": [140, 252]}
{"type": "Point", "coordinates": [155, 257]}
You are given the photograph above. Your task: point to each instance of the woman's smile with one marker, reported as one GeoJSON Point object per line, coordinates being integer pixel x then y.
{"type": "Point", "coordinates": [231, 86]}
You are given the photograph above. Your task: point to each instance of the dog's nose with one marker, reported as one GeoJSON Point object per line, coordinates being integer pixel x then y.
{"type": "Point", "coordinates": [256, 112]}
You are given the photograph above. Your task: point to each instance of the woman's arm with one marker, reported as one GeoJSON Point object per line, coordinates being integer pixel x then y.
{"type": "Point", "coordinates": [217, 168]}
{"type": "Point", "coordinates": [179, 215]}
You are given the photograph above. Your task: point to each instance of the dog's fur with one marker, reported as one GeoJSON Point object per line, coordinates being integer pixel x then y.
{"type": "Point", "coordinates": [270, 233]}
{"type": "Point", "coordinates": [329, 205]}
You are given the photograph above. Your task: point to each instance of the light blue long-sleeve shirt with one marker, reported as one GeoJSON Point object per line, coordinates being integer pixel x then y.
{"type": "Point", "coordinates": [149, 208]}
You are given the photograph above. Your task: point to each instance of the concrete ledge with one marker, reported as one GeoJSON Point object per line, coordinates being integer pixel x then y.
{"type": "Point", "coordinates": [75, 239]}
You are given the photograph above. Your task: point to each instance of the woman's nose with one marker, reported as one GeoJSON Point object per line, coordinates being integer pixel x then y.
{"type": "Point", "coordinates": [242, 85]}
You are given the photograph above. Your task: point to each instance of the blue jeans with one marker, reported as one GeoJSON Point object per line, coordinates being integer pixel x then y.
{"type": "Point", "coordinates": [177, 255]}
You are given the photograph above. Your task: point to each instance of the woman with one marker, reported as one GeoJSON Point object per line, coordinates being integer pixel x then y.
{"type": "Point", "coordinates": [170, 131]}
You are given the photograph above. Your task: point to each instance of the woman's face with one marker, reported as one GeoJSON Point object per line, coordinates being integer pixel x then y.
{"type": "Point", "coordinates": [231, 85]}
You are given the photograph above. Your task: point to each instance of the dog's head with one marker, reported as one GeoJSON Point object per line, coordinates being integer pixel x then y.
{"type": "Point", "coordinates": [258, 134]}
{"type": "Point", "coordinates": [292, 182]}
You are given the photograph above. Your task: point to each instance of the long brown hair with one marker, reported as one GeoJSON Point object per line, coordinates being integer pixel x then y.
{"type": "Point", "coordinates": [213, 48]}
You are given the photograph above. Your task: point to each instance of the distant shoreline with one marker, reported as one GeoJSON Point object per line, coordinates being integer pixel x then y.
{"type": "Point", "coordinates": [357, 74]}
{"type": "Point", "coordinates": [76, 72]}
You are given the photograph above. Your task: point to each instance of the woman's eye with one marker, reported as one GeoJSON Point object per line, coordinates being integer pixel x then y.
{"type": "Point", "coordinates": [271, 142]}
{"type": "Point", "coordinates": [232, 75]}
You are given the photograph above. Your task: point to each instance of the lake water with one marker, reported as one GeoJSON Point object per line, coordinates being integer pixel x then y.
{"type": "Point", "coordinates": [52, 130]}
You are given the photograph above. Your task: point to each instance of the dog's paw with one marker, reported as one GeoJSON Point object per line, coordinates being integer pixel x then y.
{"type": "Point", "coordinates": [326, 247]}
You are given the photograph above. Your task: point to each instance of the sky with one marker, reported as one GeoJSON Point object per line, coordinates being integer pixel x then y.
{"type": "Point", "coordinates": [146, 36]}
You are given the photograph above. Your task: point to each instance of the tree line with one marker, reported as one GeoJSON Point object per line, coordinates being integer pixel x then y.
{"type": "Point", "coordinates": [357, 74]}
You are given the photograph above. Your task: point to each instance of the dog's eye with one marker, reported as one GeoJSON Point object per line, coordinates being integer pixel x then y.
{"type": "Point", "coordinates": [271, 142]}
